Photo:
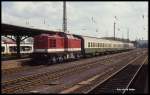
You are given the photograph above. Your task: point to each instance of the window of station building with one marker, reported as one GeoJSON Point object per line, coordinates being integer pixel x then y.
{"type": "Point", "coordinates": [52, 43]}
{"type": "Point", "coordinates": [12, 48]}
{"type": "Point", "coordinates": [88, 44]}
{"type": "Point", "coordinates": [2, 49]}
{"type": "Point", "coordinates": [26, 48]}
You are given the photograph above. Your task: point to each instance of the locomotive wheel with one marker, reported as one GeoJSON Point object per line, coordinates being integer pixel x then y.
{"type": "Point", "coordinates": [78, 56]}
{"type": "Point", "coordinates": [60, 59]}
{"type": "Point", "coordinates": [54, 60]}
{"type": "Point", "coordinates": [50, 61]}
{"type": "Point", "coordinates": [65, 58]}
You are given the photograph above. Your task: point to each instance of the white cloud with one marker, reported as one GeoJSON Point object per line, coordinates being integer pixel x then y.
{"type": "Point", "coordinates": [79, 16]}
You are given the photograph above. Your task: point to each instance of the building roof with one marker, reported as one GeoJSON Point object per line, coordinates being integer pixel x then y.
{"type": "Point", "coordinates": [8, 29]}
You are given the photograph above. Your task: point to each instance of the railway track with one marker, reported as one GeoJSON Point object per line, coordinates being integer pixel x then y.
{"type": "Point", "coordinates": [21, 84]}
{"type": "Point", "coordinates": [140, 82]}
{"type": "Point", "coordinates": [28, 68]}
{"type": "Point", "coordinates": [11, 71]}
{"type": "Point", "coordinates": [120, 81]}
{"type": "Point", "coordinates": [8, 72]}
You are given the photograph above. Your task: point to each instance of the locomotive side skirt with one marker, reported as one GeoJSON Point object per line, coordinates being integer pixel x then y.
{"type": "Point", "coordinates": [57, 50]}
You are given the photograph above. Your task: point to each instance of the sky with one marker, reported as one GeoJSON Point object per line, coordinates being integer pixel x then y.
{"type": "Point", "coordinates": [94, 19]}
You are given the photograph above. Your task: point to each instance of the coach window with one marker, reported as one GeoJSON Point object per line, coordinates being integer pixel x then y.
{"type": "Point", "coordinates": [100, 45]}
{"type": "Point", "coordinates": [90, 44]}
{"type": "Point", "coordinates": [109, 45]}
{"type": "Point", "coordinates": [114, 45]}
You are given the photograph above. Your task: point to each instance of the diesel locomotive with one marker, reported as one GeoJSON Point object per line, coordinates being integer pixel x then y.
{"type": "Point", "coordinates": [61, 46]}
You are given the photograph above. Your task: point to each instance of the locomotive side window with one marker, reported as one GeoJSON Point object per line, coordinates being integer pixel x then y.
{"type": "Point", "coordinates": [52, 43]}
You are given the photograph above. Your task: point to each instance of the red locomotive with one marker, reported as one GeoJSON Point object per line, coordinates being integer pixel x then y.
{"type": "Point", "coordinates": [56, 47]}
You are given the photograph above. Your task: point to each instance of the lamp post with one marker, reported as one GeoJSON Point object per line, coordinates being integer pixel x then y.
{"type": "Point", "coordinates": [64, 17]}
{"type": "Point", "coordinates": [115, 18]}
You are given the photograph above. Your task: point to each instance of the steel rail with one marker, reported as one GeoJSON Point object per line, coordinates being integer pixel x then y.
{"type": "Point", "coordinates": [112, 75]}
